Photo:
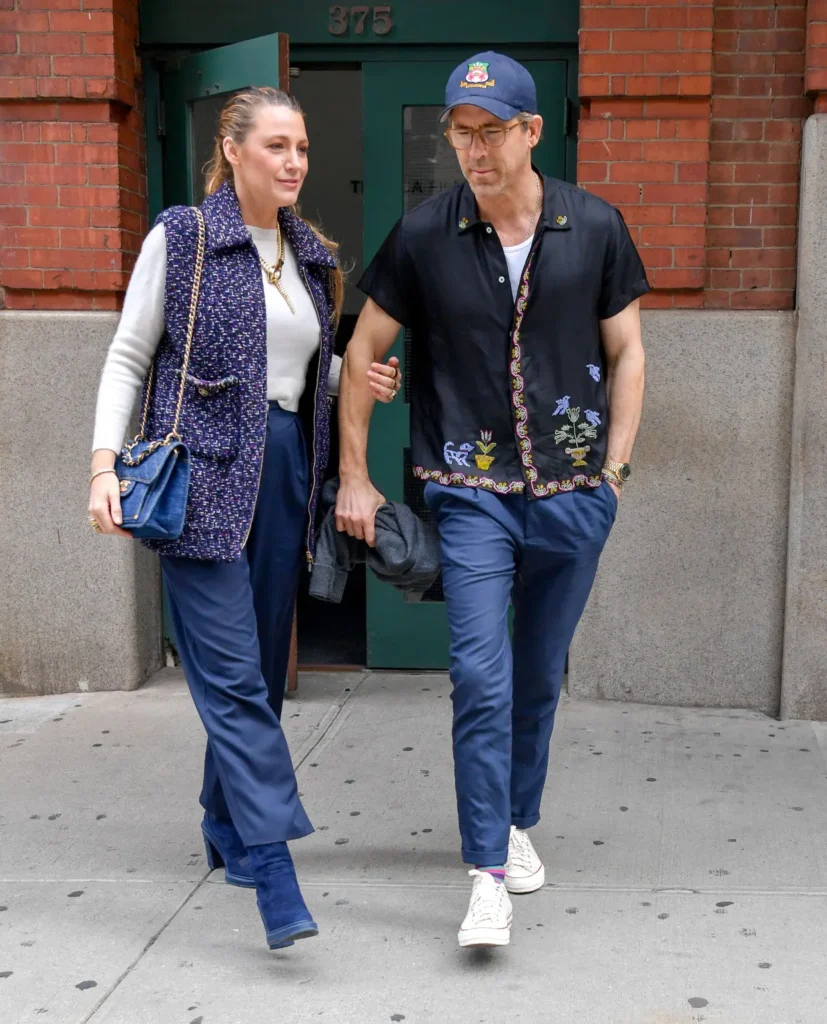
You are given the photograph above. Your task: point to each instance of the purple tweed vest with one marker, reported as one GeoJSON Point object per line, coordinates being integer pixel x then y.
{"type": "Point", "coordinates": [225, 404]}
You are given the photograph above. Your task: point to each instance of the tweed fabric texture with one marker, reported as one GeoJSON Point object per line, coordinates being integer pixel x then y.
{"type": "Point", "coordinates": [224, 415]}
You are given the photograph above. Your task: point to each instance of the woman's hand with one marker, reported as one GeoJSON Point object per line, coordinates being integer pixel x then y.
{"type": "Point", "coordinates": [385, 380]}
{"type": "Point", "coordinates": [105, 498]}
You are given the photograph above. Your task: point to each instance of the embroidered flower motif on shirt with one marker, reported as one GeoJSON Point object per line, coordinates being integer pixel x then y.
{"type": "Point", "coordinates": [594, 371]}
{"type": "Point", "coordinates": [576, 434]}
{"type": "Point", "coordinates": [571, 431]}
{"type": "Point", "coordinates": [486, 446]}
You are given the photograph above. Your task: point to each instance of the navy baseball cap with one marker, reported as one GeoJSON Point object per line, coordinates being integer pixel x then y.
{"type": "Point", "coordinates": [494, 82]}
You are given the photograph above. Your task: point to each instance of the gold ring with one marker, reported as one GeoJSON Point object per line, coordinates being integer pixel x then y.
{"type": "Point", "coordinates": [96, 526]}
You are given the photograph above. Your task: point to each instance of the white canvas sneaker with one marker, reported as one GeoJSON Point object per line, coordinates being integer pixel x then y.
{"type": "Point", "coordinates": [488, 921]}
{"type": "Point", "coordinates": [524, 871]}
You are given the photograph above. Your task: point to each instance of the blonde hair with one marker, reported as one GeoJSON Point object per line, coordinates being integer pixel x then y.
{"type": "Point", "coordinates": [237, 117]}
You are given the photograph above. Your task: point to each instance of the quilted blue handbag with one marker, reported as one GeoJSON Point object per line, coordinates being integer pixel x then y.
{"type": "Point", "coordinates": [155, 475]}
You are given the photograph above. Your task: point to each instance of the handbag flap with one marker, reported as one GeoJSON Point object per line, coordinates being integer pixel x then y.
{"type": "Point", "coordinates": [147, 471]}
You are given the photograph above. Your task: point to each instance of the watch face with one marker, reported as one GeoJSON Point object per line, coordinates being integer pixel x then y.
{"type": "Point", "coordinates": [625, 471]}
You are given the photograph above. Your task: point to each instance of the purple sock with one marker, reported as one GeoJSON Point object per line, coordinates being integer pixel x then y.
{"type": "Point", "coordinates": [497, 871]}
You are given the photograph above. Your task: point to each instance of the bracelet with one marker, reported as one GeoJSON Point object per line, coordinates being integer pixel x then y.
{"type": "Point", "coordinates": [612, 477]}
{"type": "Point", "coordinates": [100, 472]}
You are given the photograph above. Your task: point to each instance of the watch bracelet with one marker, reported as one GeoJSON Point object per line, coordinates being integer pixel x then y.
{"type": "Point", "coordinates": [612, 477]}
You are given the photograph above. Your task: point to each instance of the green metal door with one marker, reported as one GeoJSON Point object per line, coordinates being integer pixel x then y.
{"type": "Point", "coordinates": [407, 159]}
{"type": "Point", "coordinates": [193, 96]}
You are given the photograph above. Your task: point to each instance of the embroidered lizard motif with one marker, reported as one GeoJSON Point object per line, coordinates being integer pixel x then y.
{"type": "Point", "coordinates": [457, 456]}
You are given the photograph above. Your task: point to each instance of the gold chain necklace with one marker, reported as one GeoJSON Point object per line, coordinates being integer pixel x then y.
{"type": "Point", "coordinates": [536, 217]}
{"type": "Point", "coordinates": [273, 273]}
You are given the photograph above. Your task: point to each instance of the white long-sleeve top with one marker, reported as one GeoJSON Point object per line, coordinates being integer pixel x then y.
{"type": "Point", "coordinates": [292, 338]}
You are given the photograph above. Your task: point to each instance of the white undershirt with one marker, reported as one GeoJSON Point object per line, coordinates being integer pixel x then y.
{"type": "Point", "coordinates": [515, 257]}
{"type": "Point", "coordinates": [292, 339]}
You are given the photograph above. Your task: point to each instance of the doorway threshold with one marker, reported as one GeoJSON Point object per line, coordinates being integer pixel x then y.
{"type": "Point", "coordinates": [328, 667]}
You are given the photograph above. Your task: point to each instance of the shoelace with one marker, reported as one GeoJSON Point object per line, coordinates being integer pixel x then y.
{"type": "Point", "coordinates": [521, 852]}
{"type": "Point", "coordinates": [485, 901]}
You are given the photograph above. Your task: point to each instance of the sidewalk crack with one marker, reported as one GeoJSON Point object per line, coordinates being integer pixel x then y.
{"type": "Point", "coordinates": [122, 977]}
{"type": "Point", "coordinates": [331, 717]}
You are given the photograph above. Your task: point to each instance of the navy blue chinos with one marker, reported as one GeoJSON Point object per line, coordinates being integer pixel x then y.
{"type": "Point", "coordinates": [543, 556]}
{"type": "Point", "coordinates": [232, 623]}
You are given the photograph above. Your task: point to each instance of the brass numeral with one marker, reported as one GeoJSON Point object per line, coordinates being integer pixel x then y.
{"type": "Point", "coordinates": [342, 19]}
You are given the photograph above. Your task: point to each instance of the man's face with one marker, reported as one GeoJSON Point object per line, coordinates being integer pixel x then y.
{"type": "Point", "coordinates": [490, 170]}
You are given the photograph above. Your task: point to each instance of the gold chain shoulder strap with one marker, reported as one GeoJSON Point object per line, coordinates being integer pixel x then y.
{"type": "Point", "coordinates": [173, 435]}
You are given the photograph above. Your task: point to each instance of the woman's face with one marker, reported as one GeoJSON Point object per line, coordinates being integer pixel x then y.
{"type": "Point", "coordinates": [270, 165]}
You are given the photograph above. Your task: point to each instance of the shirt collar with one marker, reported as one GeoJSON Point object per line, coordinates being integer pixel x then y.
{"type": "Point", "coordinates": [226, 229]}
{"type": "Point", "coordinates": [554, 217]}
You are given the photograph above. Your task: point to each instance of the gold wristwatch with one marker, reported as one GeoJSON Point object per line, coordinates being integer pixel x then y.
{"type": "Point", "coordinates": [617, 472]}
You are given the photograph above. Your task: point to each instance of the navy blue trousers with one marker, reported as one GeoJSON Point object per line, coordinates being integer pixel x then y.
{"type": "Point", "coordinates": [541, 556]}
{"type": "Point", "coordinates": [232, 624]}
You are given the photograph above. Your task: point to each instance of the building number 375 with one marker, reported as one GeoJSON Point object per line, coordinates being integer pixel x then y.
{"type": "Point", "coordinates": [343, 18]}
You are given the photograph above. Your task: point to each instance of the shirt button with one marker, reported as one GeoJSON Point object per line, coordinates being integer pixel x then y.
{"type": "Point", "coordinates": [502, 280]}
{"type": "Point", "coordinates": [488, 231]}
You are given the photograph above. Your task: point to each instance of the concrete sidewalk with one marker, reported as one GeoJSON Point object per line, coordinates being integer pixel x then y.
{"type": "Point", "coordinates": [686, 853]}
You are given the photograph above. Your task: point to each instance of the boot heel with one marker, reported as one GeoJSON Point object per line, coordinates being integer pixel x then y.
{"type": "Point", "coordinates": [214, 858]}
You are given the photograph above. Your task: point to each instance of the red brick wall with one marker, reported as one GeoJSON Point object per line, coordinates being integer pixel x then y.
{"type": "Point", "coordinates": [691, 123]}
{"type": "Point", "coordinates": [645, 87]}
{"type": "Point", "coordinates": [72, 152]}
{"type": "Point", "coordinates": [758, 108]}
{"type": "Point", "coordinates": [816, 82]}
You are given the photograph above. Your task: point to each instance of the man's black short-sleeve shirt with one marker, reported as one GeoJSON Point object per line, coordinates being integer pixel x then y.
{"type": "Point", "coordinates": [508, 396]}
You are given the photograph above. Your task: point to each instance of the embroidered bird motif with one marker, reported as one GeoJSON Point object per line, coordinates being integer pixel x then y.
{"type": "Point", "coordinates": [594, 371]}
{"type": "Point", "coordinates": [593, 417]}
{"type": "Point", "coordinates": [562, 406]}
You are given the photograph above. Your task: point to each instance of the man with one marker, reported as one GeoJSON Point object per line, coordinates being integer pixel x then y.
{"type": "Point", "coordinates": [521, 293]}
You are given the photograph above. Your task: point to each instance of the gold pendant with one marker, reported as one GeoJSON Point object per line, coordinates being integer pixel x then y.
{"type": "Point", "coordinates": [273, 275]}
{"type": "Point", "coordinates": [285, 296]}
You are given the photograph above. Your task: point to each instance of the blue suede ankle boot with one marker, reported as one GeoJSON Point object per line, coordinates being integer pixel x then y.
{"type": "Point", "coordinates": [280, 903]}
{"type": "Point", "coordinates": [225, 849]}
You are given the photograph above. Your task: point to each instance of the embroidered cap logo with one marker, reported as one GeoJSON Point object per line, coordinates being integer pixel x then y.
{"type": "Point", "coordinates": [477, 76]}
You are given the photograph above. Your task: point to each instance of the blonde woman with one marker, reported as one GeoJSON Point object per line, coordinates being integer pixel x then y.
{"type": "Point", "coordinates": [270, 295]}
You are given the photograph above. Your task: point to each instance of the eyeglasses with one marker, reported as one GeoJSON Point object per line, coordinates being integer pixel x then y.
{"type": "Point", "coordinates": [490, 135]}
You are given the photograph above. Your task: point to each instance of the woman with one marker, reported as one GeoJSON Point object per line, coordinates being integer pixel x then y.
{"type": "Point", "coordinates": [270, 295]}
